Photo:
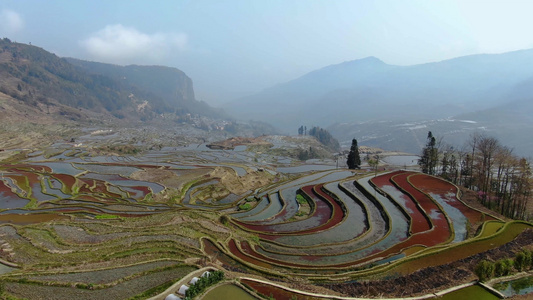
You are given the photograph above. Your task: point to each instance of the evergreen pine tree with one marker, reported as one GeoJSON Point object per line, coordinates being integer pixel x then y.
{"type": "Point", "coordinates": [354, 160]}
{"type": "Point", "coordinates": [428, 159]}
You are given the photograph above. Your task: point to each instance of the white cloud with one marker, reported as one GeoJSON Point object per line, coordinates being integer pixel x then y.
{"type": "Point", "coordinates": [120, 44]}
{"type": "Point", "coordinates": [10, 22]}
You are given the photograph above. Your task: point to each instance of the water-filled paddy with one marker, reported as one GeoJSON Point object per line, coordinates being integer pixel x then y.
{"type": "Point", "coordinates": [107, 169]}
{"type": "Point", "coordinates": [288, 192]}
{"type": "Point", "coordinates": [276, 292]}
{"type": "Point", "coordinates": [460, 222]}
{"type": "Point", "coordinates": [123, 181]}
{"type": "Point", "coordinates": [305, 168]}
{"type": "Point", "coordinates": [441, 229]}
{"type": "Point", "coordinates": [398, 226]}
{"type": "Point", "coordinates": [521, 286]}
{"type": "Point", "coordinates": [349, 228]}
{"type": "Point", "coordinates": [321, 215]}
{"type": "Point", "coordinates": [227, 291]}
{"type": "Point", "coordinates": [402, 160]}
{"type": "Point", "coordinates": [61, 167]}
{"type": "Point", "coordinates": [419, 221]}
{"type": "Point", "coordinates": [10, 200]}
{"type": "Point", "coordinates": [259, 207]}
{"type": "Point", "coordinates": [5, 269]}
{"type": "Point", "coordinates": [38, 194]}
{"type": "Point", "coordinates": [468, 293]}
{"type": "Point", "coordinates": [273, 208]}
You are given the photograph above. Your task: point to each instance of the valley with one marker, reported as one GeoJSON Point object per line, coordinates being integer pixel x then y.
{"type": "Point", "coordinates": [103, 215]}
{"type": "Point", "coordinates": [115, 182]}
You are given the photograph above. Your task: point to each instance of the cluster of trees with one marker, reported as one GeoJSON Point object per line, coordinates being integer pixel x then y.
{"type": "Point", "coordinates": [203, 283]}
{"type": "Point", "coordinates": [325, 138]}
{"type": "Point", "coordinates": [523, 261]}
{"type": "Point", "coordinates": [304, 154]}
{"type": "Point", "coordinates": [302, 130]}
{"type": "Point", "coordinates": [502, 180]}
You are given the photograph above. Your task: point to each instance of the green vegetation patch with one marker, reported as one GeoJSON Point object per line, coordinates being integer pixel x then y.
{"type": "Point", "coordinates": [444, 255]}
{"type": "Point", "coordinates": [203, 283]}
{"type": "Point", "coordinates": [245, 206]}
{"type": "Point", "coordinates": [107, 217]}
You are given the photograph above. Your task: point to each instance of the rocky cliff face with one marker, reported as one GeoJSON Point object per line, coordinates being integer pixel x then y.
{"type": "Point", "coordinates": [172, 85]}
{"type": "Point", "coordinates": [34, 76]}
{"type": "Point", "coordinates": [169, 85]}
{"type": "Point", "coordinates": [38, 78]}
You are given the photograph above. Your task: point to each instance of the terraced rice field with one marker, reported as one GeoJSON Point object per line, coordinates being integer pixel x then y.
{"type": "Point", "coordinates": [123, 225]}
{"type": "Point", "coordinates": [356, 223]}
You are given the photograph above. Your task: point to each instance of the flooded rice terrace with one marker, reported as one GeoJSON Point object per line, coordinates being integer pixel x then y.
{"type": "Point", "coordinates": [250, 210]}
{"type": "Point", "coordinates": [99, 169]}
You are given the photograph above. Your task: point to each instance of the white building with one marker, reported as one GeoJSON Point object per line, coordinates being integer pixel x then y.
{"type": "Point", "coordinates": [194, 280]}
{"type": "Point", "coordinates": [183, 289]}
{"type": "Point", "coordinates": [172, 297]}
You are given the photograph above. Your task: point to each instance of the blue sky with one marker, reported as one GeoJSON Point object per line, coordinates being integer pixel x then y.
{"type": "Point", "coordinates": [234, 48]}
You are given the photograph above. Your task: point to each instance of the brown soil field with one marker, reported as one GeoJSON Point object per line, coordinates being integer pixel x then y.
{"type": "Point", "coordinates": [240, 184]}
{"type": "Point", "coordinates": [168, 178]}
{"type": "Point", "coordinates": [233, 142]}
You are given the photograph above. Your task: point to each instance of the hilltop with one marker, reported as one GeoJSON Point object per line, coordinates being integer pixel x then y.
{"type": "Point", "coordinates": [45, 98]}
{"type": "Point", "coordinates": [170, 85]}
{"type": "Point", "coordinates": [393, 107]}
{"type": "Point", "coordinates": [41, 79]}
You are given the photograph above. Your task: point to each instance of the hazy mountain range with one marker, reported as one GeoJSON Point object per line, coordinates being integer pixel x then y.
{"type": "Point", "coordinates": [171, 85]}
{"type": "Point", "coordinates": [381, 105]}
{"type": "Point", "coordinates": [369, 99]}
{"type": "Point", "coordinates": [73, 88]}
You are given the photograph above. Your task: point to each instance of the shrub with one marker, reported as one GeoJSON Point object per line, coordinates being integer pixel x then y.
{"type": "Point", "coordinates": [503, 267]}
{"type": "Point", "coordinates": [245, 206]}
{"type": "Point", "coordinates": [203, 283]}
{"type": "Point", "coordinates": [484, 270]}
{"type": "Point", "coordinates": [522, 261]}
{"type": "Point", "coordinates": [255, 238]}
{"type": "Point", "coordinates": [529, 259]}
{"type": "Point", "coordinates": [301, 199]}
{"type": "Point", "coordinates": [224, 220]}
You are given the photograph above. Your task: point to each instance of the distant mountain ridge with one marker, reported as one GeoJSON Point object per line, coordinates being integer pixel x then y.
{"type": "Point", "coordinates": [167, 83]}
{"type": "Point", "coordinates": [171, 85]}
{"type": "Point", "coordinates": [35, 77]}
{"type": "Point", "coordinates": [41, 79]}
{"type": "Point", "coordinates": [369, 89]}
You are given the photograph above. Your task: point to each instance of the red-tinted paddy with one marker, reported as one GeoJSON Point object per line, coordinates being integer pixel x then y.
{"type": "Point", "coordinates": [276, 292]}
{"type": "Point", "coordinates": [448, 192]}
{"type": "Point", "coordinates": [10, 200]}
{"type": "Point", "coordinates": [327, 213]}
{"type": "Point", "coordinates": [441, 230]}
{"type": "Point", "coordinates": [419, 221]}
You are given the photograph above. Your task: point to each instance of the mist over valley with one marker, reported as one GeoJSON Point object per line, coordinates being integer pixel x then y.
{"type": "Point", "coordinates": [266, 150]}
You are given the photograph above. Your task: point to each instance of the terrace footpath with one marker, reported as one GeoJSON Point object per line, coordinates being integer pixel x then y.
{"type": "Point", "coordinates": [9, 264]}
{"type": "Point", "coordinates": [184, 280]}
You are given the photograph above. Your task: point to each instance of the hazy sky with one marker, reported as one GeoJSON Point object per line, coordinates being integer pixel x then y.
{"type": "Point", "coordinates": [234, 48]}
